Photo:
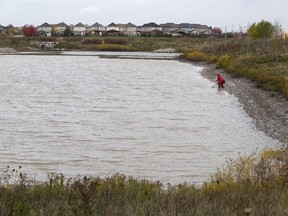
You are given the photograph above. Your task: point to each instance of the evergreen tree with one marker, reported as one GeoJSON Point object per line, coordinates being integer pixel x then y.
{"type": "Point", "coordinates": [67, 31]}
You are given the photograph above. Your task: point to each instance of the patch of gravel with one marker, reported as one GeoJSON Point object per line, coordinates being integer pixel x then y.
{"type": "Point", "coordinates": [7, 50]}
{"type": "Point", "coordinates": [269, 110]}
{"type": "Point", "coordinates": [167, 50]}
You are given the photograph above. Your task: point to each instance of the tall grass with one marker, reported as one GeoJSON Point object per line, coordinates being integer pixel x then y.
{"type": "Point", "coordinates": [249, 185]}
{"type": "Point", "coordinates": [196, 56]}
{"type": "Point", "coordinates": [267, 73]}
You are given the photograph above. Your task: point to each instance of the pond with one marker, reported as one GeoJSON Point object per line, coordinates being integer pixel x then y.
{"type": "Point", "coordinates": [81, 114]}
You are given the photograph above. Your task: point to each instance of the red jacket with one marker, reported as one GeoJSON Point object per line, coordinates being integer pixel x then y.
{"type": "Point", "coordinates": [220, 79]}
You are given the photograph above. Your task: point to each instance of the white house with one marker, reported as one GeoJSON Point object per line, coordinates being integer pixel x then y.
{"type": "Point", "coordinates": [129, 29]}
{"type": "Point", "coordinates": [169, 28]}
{"type": "Point", "coordinates": [204, 30]}
{"type": "Point", "coordinates": [148, 27]}
{"type": "Point", "coordinates": [45, 28]}
{"type": "Point", "coordinates": [97, 27]}
{"type": "Point", "coordinates": [80, 29]}
{"type": "Point", "coordinates": [60, 28]}
{"type": "Point", "coordinates": [194, 29]}
{"type": "Point", "coordinates": [112, 27]}
{"type": "Point", "coordinates": [185, 28]}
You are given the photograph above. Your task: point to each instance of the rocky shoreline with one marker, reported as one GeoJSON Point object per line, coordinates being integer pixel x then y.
{"type": "Point", "coordinates": [269, 110]}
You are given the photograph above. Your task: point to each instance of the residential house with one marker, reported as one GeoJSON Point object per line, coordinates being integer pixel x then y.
{"type": "Point", "coordinates": [176, 33]}
{"type": "Point", "coordinates": [112, 29]}
{"type": "Point", "coordinates": [185, 28]}
{"type": "Point", "coordinates": [97, 29]}
{"type": "Point", "coordinates": [170, 28]}
{"type": "Point", "coordinates": [121, 28]}
{"type": "Point", "coordinates": [194, 29]}
{"type": "Point", "coordinates": [128, 29]}
{"type": "Point", "coordinates": [80, 29]}
{"type": "Point", "coordinates": [44, 29]}
{"type": "Point", "coordinates": [149, 27]}
{"type": "Point", "coordinates": [2, 28]}
{"type": "Point", "coordinates": [60, 28]}
{"type": "Point", "coordinates": [206, 30]}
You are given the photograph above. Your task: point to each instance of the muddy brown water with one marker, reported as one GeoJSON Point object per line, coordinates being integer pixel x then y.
{"type": "Point", "coordinates": [154, 119]}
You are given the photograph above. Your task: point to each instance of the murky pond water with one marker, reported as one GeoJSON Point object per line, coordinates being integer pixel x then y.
{"type": "Point", "coordinates": [154, 119]}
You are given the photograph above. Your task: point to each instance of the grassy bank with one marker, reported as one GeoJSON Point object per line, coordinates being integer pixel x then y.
{"type": "Point", "coordinates": [263, 70]}
{"type": "Point", "coordinates": [250, 185]}
{"type": "Point", "coordinates": [267, 66]}
{"type": "Point", "coordinates": [103, 43]}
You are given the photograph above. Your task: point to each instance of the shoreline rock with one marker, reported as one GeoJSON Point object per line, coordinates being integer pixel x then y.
{"type": "Point", "coordinates": [269, 110]}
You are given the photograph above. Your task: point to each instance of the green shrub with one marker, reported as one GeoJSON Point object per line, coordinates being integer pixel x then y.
{"type": "Point", "coordinates": [252, 169]}
{"type": "Point", "coordinates": [223, 61]}
{"type": "Point", "coordinates": [196, 56]}
{"type": "Point", "coordinates": [268, 74]}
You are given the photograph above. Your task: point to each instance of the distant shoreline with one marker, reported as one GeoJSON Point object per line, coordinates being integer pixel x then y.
{"type": "Point", "coordinates": [158, 55]}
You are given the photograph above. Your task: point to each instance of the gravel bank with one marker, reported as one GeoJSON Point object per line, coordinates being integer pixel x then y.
{"type": "Point", "coordinates": [269, 110]}
{"type": "Point", "coordinates": [7, 50]}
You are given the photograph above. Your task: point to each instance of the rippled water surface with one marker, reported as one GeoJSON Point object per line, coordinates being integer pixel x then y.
{"type": "Point", "coordinates": [154, 119]}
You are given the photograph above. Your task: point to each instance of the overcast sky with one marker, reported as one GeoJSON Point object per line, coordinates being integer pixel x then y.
{"type": "Point", "coordinates": [226, 14]}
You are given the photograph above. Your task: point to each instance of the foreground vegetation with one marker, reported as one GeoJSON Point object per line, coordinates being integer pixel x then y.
{"type": "Point", "coordinates": [249, 185]}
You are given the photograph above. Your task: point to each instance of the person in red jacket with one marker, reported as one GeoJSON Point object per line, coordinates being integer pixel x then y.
{"type": "Point", "coordinates": [220, 81]}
